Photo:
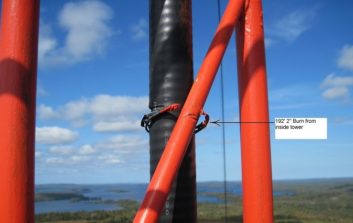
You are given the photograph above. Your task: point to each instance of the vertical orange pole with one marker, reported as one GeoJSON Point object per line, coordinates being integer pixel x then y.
{"type": "Point", "coordinates": [18, 65]}
{"type": "Point", "coordinates": [255, 138]}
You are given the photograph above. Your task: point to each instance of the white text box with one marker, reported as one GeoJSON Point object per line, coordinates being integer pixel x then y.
{"type": "Point", "coordinates": [300, 128]}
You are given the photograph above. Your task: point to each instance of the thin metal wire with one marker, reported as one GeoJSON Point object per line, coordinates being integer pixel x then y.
{"type": "Point", "coordinates": [223, 132]}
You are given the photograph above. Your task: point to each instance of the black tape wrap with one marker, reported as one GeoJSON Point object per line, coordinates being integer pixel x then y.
{"type": "Point", "coordinates": [171, 76]}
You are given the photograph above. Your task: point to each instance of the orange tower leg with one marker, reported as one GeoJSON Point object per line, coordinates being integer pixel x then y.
{"type": "Point", "coordinates": [18, 65]}
{"type": "Point", "coordinates": [255, 138]}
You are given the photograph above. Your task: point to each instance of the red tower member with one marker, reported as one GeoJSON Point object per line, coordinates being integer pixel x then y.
{"type": "Point", "coordinates": [255, 138]}
{"type": "Point", "coordinates": [18, 65]}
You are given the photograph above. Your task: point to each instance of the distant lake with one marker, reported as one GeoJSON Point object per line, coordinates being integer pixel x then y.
{"type": "Point", "coordinates": [99, 194]}
{"type": "Point", "coordinates": [109, 192]}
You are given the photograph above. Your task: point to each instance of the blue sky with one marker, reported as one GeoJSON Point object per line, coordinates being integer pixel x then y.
{"type": "Point", "coordinates": [93, 90]}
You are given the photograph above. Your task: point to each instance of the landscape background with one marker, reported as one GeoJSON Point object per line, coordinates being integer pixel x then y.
{"type": "Point", "coordinates": [295, 201]}
{"type": "Point", "coordinates": [92, 160]}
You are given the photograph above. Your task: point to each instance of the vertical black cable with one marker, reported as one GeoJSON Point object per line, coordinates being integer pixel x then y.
{"type": "Point", "coordinates": [171, 77]}
{"type": "Point", "coordinates": [223, 132]}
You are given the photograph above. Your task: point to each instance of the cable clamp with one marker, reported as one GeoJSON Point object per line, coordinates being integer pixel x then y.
{"type": "Point", "coordinates": [148, 119]}
{"type": "Point", "coordinates": [204, 123]}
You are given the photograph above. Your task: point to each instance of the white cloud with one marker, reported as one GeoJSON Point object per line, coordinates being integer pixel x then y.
{"type": "Point", "coordinates": [87, 150]}
{"type": "Point", "coordinates": [46, 112]}
{"type": "Point", "coordinates": [55, 135]}
{"type": "Point", "coordinates": [47, 43]}
{"type": "Point", "coordinates": [55, 161]}
{"type": "Point", "coordinates": [117, 126]}
{"type": "Point", "coordinates": [79, 159]}
{"type": "Point", "coordinates": [108, 113]}
{"type": "Point", "coordinates": [336, 87]}
{"type": "Point", "coordinates": [127, 140]}
{"type": "Point", "coordinates": [110, 159]}
{"type": "Point", "coordinates": [124, 144]}
{"type": "Point", "coordinates": [75, 112]}
{"type": "Point", "coordinates": [139, 30]}
{"type": "Point", "coordinates": [61, 150]}
{"type": "Point", "coordinates": [105, 113]}
{"type": "Point", "coordinates": [291, 26]}
{"type": "Point", "coordinates": [72, 160]}
{"type": "Point", "coordinates": [103, 106]}
{"type": "Point", "coordinates": [88, 33]}
{"type": "Point", "coordinates": [112, 151]}
{"type": "Point", "coordinates": [345, 59]}
{"type": "Point", "coordinates": [335, 93]}
{"type": "Point", "coordinates": [75, 109]}
{"type": "Point", "coordinates": [107, 105]}
{"type": "Point", "coordinates": [337, 81]}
